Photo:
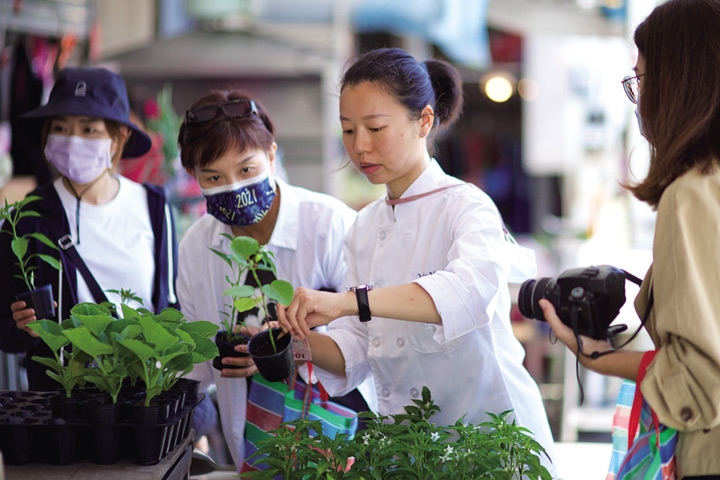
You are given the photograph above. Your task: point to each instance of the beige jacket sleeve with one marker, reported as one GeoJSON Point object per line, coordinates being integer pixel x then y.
{"type": "Point", "coordinates": [683, 382]}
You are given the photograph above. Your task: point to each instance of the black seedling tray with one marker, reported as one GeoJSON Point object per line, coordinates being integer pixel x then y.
{"type": "Point", "coordinates": [31, 432]}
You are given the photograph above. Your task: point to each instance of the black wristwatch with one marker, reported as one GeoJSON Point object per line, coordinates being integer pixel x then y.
{"type": "Point", "coordinates": [362, 301]}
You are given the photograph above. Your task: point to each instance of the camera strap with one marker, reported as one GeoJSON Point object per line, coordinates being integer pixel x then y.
{"type": "Point", "coordinates": [594, 355]}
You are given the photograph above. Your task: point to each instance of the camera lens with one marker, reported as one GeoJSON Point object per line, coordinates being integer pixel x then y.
{"type": "Point", "coordinates": [531, 291]}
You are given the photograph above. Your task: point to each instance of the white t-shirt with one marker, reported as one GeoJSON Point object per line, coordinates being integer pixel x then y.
{"type": "Point", "coordinates": [307, 243]}
{"type": "Point", "coordinates": [116, 242]}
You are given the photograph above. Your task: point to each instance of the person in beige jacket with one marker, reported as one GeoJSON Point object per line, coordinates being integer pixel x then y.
{"type": "Point", "coordinates": [677, 89]}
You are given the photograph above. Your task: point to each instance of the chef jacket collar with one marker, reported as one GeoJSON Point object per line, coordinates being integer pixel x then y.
{"type": "Point", "coordinates": [430, 179]}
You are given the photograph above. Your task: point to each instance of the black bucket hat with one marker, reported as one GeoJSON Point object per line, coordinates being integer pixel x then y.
{"type": "Point", "coordinates": [93, 92]}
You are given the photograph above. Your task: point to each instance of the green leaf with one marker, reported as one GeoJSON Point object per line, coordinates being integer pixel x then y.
{"type": "Point", "coordinates": [52, 261]}
{"type": "Point", "coordinates": [243, 247]}
{"type": "Point", "coordinates": [244, 304]}
{"type": "Point", "coordinates": [131, 331]}
{"type": "Point", "coordinates": [141, 349]}
{"type": "Point", "coordinates": [81, 338]}
{"type": "Point", "coordinates": [170, 315]}
{"type": "Point", "coordinates": [205, 349]}
{"type": "Point", "coordinates": [43, 239]}
{"type": "Point", "coordinates": [49, 362]}
{"type": "Point", "coordinates": [89, 308]}
{"type": "Point", "coordinates": [128, 312]}
{"type": "Point", "coordinates": [280, 291]}
{"type": "Point", "coordinates": [50, 332]}
{"type": "Point", "coordinates": [96, 324]}
{"type": "Point", "coordinates": [28, 213]}
{"type": "Point", "coordinates": [221, 255]}
{"type": "Point", "coordinates": [156, 334]}
{"type": "Point", "coordinates": [241, 291]}
{"type": "Point", "coordinates": [19, 247]}
{"type": "Point", "coordinates": [201, 328]}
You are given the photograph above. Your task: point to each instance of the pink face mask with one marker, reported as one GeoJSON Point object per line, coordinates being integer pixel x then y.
{"type": "Point", "coordinates": [79, 159]}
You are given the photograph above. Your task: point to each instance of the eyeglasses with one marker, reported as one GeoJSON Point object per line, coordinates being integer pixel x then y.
{"type": "Point", "coordinates": [233, 109]}
{"type": "Point", "coordinates": [632, 87]}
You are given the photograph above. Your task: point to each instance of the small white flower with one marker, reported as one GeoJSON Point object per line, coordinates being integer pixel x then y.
{"type": "Point", "coordinates": [449, 450]}
{"type": "Point", "coordinates": [435, 436]}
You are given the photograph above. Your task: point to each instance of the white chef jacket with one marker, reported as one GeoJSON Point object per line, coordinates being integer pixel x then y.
{"type": "Point", "coordinates": [453, 244]}
{"type": "Point", "coordinates": [307, 244]}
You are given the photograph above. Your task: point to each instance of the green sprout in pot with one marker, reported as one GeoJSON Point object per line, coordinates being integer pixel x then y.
{"type": "Point", "coordinates": [164, 347]}
{"type": "Point", "coordinates": [12, 214]}
{"type": "Point", "coordinates": [247, 255]}
{"type": "Point", "coordinates": [68, 364]}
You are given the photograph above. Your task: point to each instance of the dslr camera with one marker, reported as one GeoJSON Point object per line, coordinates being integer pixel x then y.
{"type": "Point", "coordinates": [586, 299]}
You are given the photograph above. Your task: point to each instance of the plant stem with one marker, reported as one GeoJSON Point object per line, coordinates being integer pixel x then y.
{"type": "Point", "coordinates": [265, 310]}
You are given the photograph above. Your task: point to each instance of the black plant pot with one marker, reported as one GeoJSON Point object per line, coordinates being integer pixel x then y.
{"type": "Point", "coordinates": [226, 348]}
{"type": "Point", "coordinates": [271, 365]}
{"type": "Point", "coordinates": [191, 388]}
{"type": "Point", "coordinates": [65, 407]}
{"type": "Point", "coordinates": [150, 432]}
{"type": "Point", "coordinates": [40, 300]}
{"type": "Point", "coordinates": [104, 429]}
{"type": "Point", "coordinates": [62, 442]}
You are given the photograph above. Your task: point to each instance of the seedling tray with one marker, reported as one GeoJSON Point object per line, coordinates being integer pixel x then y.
{"type": "Point", "coordinates": [32, 432]}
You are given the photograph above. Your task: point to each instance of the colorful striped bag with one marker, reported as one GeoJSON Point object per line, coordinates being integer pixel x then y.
{"type": "Point", "coordinates": [271, 403]}
{"type": "Point", "coordinates": [650, 456]}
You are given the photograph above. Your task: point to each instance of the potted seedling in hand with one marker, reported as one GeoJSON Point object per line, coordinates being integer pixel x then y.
{"type": "Point", "coordinates": [40, 299]}
{"type": "Point", "coordinates": [270, 350]}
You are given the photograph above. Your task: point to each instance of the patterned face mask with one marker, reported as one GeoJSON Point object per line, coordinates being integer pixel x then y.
{"type": "Point", "coordinates": [243, 203]}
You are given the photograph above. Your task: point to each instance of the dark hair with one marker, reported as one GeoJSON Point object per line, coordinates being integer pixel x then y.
{"type": "Point", "coordinates": [414, 84]}
{"type": "Point", "coordinates": [203, 143]}
{"type": "Point", "coordinates": [680, 94]}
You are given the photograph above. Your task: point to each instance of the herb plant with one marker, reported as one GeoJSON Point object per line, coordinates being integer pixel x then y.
{"type": "Point", "coordinates": [12, 214]}
{"type": "Point", "coordinates": [403, 446]}
{"type": "Point", "coordinates": [246, 255]}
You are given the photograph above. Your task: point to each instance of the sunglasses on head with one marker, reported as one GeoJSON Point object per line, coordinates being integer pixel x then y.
{"type": "Point", "coordinates": [232, 109]}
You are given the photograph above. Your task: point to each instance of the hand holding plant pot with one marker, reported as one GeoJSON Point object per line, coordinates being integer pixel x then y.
{"type": "Point", "coordinates": [249, 256]}
{"type": "Point", "coordinates": [39, 299]}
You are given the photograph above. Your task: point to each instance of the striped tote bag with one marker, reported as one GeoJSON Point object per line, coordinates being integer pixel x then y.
{"type": "Point", "coordinates": [265, 409]}
{"type": "Point", "coordinates": [643, 448]}
{"type": "Point", "coordinates": [312, 403]}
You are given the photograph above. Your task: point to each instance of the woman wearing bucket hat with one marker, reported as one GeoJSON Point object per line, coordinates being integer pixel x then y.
{"type": "Point", "coordinates": [113, 233]}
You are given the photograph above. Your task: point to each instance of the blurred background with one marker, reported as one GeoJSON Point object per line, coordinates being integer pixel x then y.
{"type": "Point", "coordinates": [546, 131]}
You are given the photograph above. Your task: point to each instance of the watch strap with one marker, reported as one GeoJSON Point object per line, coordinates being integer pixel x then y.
{"type": "Point", "coordinates": [363, 304]}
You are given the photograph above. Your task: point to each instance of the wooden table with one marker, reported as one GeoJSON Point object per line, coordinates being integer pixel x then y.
{"type": "Point", "coordinates": [174, 466]}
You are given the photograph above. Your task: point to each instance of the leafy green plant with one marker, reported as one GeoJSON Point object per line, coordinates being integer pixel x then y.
{"type": "Point", "coordinates": [12, 214]}
{"type": "Point", "coordinates": [246, 255]}
{"type": "Point", "coordinates": [107, 348]}
{"type": "Point", "coordinates": [166, 348]}
{"type": "Point", "coordinates": [403, 446]}
{"type": "Point", "coordinates": [68, 365]}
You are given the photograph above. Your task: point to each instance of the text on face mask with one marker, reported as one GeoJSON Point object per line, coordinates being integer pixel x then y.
{"type": "Point", "coordinates": [245, 198]}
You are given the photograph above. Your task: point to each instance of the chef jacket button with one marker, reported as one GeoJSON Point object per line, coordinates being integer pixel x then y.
{"type": "Point", "coordinates": [382, 235]}
{"type": "Point", "coordinates": [377, 285]}
{"type": "Point", "coordinates": [385, 392]}
{"type": "Point", "coordinates": [400, 342]}
{"type": "Point", "coordinates": [686, 413]}
{"type": "Point", "coordinates": [376, 342]}
{"type": "Point", "coordinates": [414, 392]}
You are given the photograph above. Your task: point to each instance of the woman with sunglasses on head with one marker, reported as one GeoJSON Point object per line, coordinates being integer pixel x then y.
{"type": "Point", "coordinates": [114, 233]}
{"type": "Point", "coordinates": [428, 264]}
{"type": "Point", "coordinates": [676, 87]}
{"type": "Point", "coordinates": [227, 144]}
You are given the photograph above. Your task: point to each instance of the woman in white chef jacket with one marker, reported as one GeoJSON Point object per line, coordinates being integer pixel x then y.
{"type": "Point", "coordinates": [429, 263]}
